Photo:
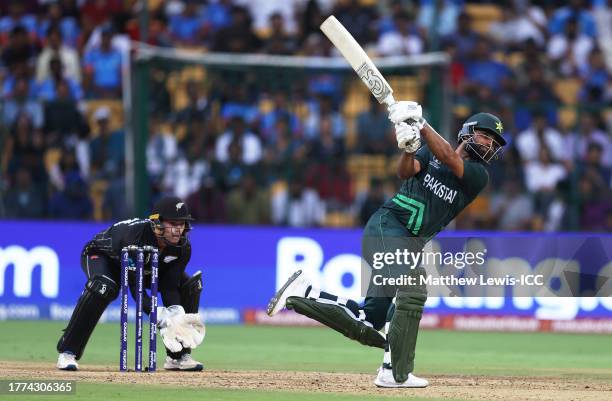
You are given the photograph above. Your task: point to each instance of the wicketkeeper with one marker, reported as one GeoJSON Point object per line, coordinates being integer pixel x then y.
{"type": "Point", "coordinates": [439, 183]}
{"type": "Point", "coordinates": [181, 327]}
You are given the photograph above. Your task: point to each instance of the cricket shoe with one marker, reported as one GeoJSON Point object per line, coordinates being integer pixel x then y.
{"type": "Point", "coordinates": [295, 286]}
{"type": "Point", "coordinates": [185, 363]}
{"type": "Point", "coordinates": [385, 379]}
{"type": "Point", "coordinates": [67, 361]}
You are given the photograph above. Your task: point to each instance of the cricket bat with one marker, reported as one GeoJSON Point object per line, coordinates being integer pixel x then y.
{"type": "Point", "coordinates": [358, 59]}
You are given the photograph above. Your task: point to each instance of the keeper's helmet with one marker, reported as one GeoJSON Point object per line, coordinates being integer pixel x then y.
{"type": "Point", "coordinates": [478, 124]}
{"type": "Point", "coordinates": [171, 208]}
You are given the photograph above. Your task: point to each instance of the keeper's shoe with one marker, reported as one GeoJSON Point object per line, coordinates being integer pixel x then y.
{"type": "Point", "coordinates": [185, 363]}
{"type": "Point", "coordinates": [295, 286]}
{"type": "Point", "coordinates": [67, 361]}
{"type": "Point", "coordinates": [385, 379]}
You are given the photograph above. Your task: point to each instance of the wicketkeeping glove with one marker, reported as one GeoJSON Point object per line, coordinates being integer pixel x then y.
{"type": "Point", "coordinates": [405, 111]}
{"type": "Point", "coordinates": [179, 330]}
{"type": "Point", "coordinates": [408, 137]}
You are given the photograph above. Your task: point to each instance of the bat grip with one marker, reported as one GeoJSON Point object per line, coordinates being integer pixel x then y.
{"type": "Point", "coordinates": [389, 100]}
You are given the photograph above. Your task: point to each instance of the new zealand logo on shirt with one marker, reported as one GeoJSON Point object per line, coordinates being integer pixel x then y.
{"type": "Point", "coordinates": [169, 259]}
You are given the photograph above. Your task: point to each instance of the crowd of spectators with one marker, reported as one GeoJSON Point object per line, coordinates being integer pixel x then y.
{"type": "Point", "coordinates": [243, 151]}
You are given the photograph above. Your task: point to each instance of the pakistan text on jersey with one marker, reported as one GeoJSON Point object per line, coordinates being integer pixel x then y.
{"type": "Point", "coordinates": [440, 190]}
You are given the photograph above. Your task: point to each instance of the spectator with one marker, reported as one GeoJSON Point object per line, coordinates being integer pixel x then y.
{"type": "Point", "coordinates": [19, 50]}
{"type": "Point", "coordinates": [439, 18]}
{"type": "Point", "coordinates": [238, 37]}
{"type": "Point", "coordinates": [162, 150]}
{"type": "Point", "coordinates": [374, 198]}
{"type": "Point", "coordinates": [569, 49]}
{"type": "Point", "coordinates": [465, 39]}
{"type": "Point", "coordinates": [512, 209]}
{"type": "Point", "coordinates": [187, 28]}
{"type": "Point", "coordinates": [17, 17]}
{"type": "Point", "coordinates": [597, 79]}
{"type": "Point", "coordinates": [310, 20]}
{"type": "Point", "coordinates": [24, 200]}
{"type": "Point", "coordinates": [405, 40]}
{"type": "Point", "coordinates": [297, 206]}
{"type": "Point", "coordinates": [107, 148]}
{"type": "Point", "coordinates": [207, 204]}
{"type": "Point", "coordinates": [279, 41]}
{"type": "Point", "coordinates": [67, 26]}
{"type": "Point", "coordinates": [593, 166]}
{"type": "Point", "coordinates": [263, 10]}
{"type": "Point", "coordinates": [100, 11]}
{"type": "Point", "coordinates": [324, 148]}
{"type": "Point", "coordinates": [24, 149]}
{"type": "Point", "coordinates": [228, 174]}
{"type": "Point", "coordinates": [530, 142]}
{"type": "Point", "coordinates": [47, 90]}
{"type": "Point", "coordinates": [590, 130]}
{"type": "Point", "coordinates": [55, 48]}
{"type": "Point", "coordinates": [248, 204]}
{"type": "Point", "coordinates": [482, 69]}
{"type": "Point", "coordinates": [250, 143]}
{"type": "Point", "coordinates": [240, 104]}
{"type": "Point", "coordinates": [282, 155]}
{"type": "Point", "coordinates": [114, 207]}
{"type": "Point", "coordinates": [536, 96]}
{"type": "Point", "coordinates": [103, 68]}
{"type": "Point", "coordinates": [541, 179]}
{"type": "Point", "coordinates": [217, 14]}
{"type": "Point", "coordinates": [197, 108]}
{"type": "Point", "coordinates": [323, 113]}
{"type": "Point", "coordinates": [374, 130]}
{"type": "Point", "coordinates": [577, 11]}
{"type": "Point", "coordinates": [71, 201]}
{"type": "Point", "coordinates": [280, 111]}
{"type": "Point", "coordinates": [521, 22]}
{"type": "Point", "coordinates": [19, 103]}
{"type": "Point", "coordinates": [357, 19]}
{"type": "Point", "coordinates": [332, 182]}
{"type": "Point", "coordinates": [594, 201]}
{"type": "Point", "coordinates": [63, 120]}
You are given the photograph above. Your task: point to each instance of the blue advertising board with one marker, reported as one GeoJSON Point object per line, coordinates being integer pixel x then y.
{"type": "Point", "coordinates": [40, 274]}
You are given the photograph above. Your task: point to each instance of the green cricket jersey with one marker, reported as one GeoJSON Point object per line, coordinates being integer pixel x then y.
{"type": "Point", "coordinates": [427, 202]}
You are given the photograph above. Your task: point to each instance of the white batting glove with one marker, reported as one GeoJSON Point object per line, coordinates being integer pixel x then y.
{"type": "Point", "coordinates": [400, 112]}
{"type": "Point", "coordinates": [408, 137]}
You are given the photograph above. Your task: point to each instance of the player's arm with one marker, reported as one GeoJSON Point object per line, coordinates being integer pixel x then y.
{"type": "Point", "coordinates": [442, 150]}
{"type": "Point", "coordinates": [407, 166]}
{"type": "Point", "coordinates": [409, 114]}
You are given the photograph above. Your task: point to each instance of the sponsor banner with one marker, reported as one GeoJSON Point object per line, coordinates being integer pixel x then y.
{"type": "Point", "coordinates": [284, 318]}
{"type": "Point", "coordinates": [242, 267]}
{"type": "Point", "coordinates": [434, 321]}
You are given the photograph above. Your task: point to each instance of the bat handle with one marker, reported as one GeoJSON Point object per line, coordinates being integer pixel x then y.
{"type": "Point", "coordinates": [389, 100]}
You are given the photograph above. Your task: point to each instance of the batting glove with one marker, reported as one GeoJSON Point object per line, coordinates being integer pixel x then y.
{"type": "Point", "coordinates": [408, 137]}
{"type": "Point", "coordinates": [406, 111]}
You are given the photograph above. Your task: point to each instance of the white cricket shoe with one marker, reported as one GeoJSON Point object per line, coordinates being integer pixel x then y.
{"type": "Point", "coordinates": [385, 379]}
{"type": "Point", "coordinates": [67, 361]}
{"type": "Point", "coordinates": [184, 363]}
{"type": "Point", "coordinates": [295, 286]}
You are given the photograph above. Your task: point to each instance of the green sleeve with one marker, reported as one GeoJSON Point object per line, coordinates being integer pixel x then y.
{"type": "Point", "coordinates": [475, 177]}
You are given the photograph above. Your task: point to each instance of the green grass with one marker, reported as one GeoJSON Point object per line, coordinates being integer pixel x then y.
{"type": "Point", "coordinates": [320, 349]}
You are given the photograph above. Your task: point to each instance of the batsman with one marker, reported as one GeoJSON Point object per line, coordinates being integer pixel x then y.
{"type": "Point", "coordinates": [180, 325]}
{"type": "Point", "coordinates": [438, 183]}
